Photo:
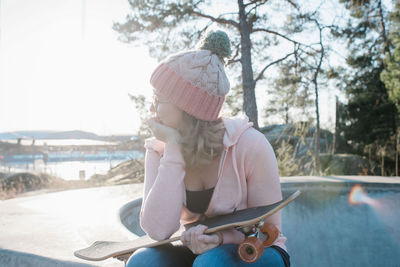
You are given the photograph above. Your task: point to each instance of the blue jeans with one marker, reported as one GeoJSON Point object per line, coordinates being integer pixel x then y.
{"type": "Point", "coordinates": [224, 255]}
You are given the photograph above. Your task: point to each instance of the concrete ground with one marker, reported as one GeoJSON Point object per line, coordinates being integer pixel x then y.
{"type": "Point", "coordinates": [45, 229]}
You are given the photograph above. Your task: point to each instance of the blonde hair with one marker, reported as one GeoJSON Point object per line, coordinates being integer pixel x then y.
{"type": "Point", "coordinates": [201, 140]}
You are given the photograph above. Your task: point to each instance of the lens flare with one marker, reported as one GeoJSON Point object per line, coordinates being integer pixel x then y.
{"type": "Point", "coordinates": [384, 207]}
{"type": "Point", "coordinates": [358, 196]}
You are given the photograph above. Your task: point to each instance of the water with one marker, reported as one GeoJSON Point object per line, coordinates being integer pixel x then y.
{"type": "Point", "coordinates": [61, 156]}
{"type": "Point", "coordinates": [59, 142]}
{"type": "Point", "coordinates": [74, 165]}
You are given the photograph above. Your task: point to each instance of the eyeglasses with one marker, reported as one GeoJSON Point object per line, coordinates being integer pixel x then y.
{"type": "Point", "coordinates": [159, 100]}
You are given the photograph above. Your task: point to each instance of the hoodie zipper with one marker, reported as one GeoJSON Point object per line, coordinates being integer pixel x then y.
{"type": "Point", "coordinates": [221, 167]}
{"type": "Point", "coordinates": [222, 163]}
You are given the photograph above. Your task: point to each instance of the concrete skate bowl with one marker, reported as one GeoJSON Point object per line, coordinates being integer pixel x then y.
{"type": "Point", "coordinates": [324, 229]}
{"type": "Point", "coordinates": [129, 216]}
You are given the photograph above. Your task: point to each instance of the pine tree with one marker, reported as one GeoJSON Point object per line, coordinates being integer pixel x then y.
{"type": "Point", "coordinates": [391, 75]}
{"type": "Point", "coordinates": [367, 121]}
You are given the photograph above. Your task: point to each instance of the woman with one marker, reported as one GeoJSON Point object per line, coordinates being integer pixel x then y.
{"type": "Point", "coordinates": [200, 164]}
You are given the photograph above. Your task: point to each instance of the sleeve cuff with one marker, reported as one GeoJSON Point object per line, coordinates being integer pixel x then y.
{"type": "Point", "coordinates": [232, 237]}
{"type": "Point", "coordinates": [154, 144]}
{"type": "Point", "coordinates": [173, 153]}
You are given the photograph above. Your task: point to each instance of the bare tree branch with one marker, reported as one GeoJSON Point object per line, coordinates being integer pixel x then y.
{"type": "Point", "coordinates": [261, 74]}
{"type": "Point", "coordinates": [386, 40]}
{"type": "Point", "coordinates": [255, 2]}
{"type": "Point", "coordinates": [293, 4]}
{"type": "Point", "coordinates": [275, 33]}
{"type": "Point", "coordinates": [260, 3]}
{"type": "Point", "coordinates": [322, 53]}
{"type": "Point", "coordinates": [228, 13]}
{"type": "Point", "coordinates": [255, 7]}
{"type": "Point", "coordinates": [234, 59]}
{"type": "Point", "coordinates": [314, 81]}
{"type": "Point", "coordinates": [219, 20]}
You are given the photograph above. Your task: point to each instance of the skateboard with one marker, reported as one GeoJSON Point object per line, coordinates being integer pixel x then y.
{"type": "Point", "coordinates": [250, 221]}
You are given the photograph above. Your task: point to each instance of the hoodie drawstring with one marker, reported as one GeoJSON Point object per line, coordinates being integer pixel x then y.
{"type": "Point", "coordinates": [222, 163]}
{"type": "Point", "coordinates": [237, 177]}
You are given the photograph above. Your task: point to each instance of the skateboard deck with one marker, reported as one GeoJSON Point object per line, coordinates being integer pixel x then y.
{"type": "Point", "coordinates": [101, 250]}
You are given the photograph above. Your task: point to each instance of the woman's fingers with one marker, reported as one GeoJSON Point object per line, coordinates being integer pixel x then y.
{"type": "Point", "coordinates": [162, 132]}
{"type": "Point", "coordinates": [197, 241]}
{"type": "Point", "coordinates": [191, 236]}
{"type": "Point", "coordinates": [199, 229]}
{"type": "Point", "coordinates": [193, 239]}
{"type": "Point", "coordinates": [214, 239]}
{"type": "Point", "coordinates": [185, 238]}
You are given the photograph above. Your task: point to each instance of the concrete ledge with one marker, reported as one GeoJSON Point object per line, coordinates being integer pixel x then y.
{"type": "Point", "coordinates": [129, 216]}
{"type": "Point", "coordinates": [52, 226]}
{"type": "Point", "coordinates": [14, 258]}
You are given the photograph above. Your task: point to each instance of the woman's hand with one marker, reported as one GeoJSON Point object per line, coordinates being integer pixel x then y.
{"type": "Point", "coordinates": [198, 242]}
{"type": "Point", "coordinates": [163, 132]}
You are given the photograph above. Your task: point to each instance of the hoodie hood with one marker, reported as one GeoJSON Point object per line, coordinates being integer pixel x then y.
{"type": "Point", "coordinates": [234, 128]}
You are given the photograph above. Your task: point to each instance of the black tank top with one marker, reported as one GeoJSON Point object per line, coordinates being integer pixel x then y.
{"type": "Point", "coordinates": [198, 201]}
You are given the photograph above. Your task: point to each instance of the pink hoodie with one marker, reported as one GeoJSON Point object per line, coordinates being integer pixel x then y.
{"type": "Point", "coordinates": [248, 177]}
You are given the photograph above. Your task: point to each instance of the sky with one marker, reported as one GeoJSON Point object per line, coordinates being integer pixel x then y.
{"type": "Point", "coordinates": [62, 68]}
{"type": "Point", "coordinates": [60, 73]}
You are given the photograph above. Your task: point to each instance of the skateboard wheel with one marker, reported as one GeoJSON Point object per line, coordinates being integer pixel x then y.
{"type": "Point", "coordinates": [271, 233]}
{"type": "Point", "coordinates": [251, 249]}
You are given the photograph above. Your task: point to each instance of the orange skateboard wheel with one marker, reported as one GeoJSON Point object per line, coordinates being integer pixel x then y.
{"type": "Point", "coordinates": [251, 249]}
{"type": "Point", "coordinates": [271, 234]}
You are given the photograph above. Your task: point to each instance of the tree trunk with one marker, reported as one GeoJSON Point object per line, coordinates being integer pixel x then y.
{"type": "Point", "coordinates": [287, 114]}
{"type": "Point", "coordinates": [386, 42]}
{"type": "Point", "coordinates": [249, 97]}
{"type": "Point", "coordinates": [317, 134]}
{"type": "Point", "coordinates": [383, 161]}
{"type": "Point", "coordinates": [315, 81]}
{"type": "Point", "coordinates": [317, 131]}
{"type": "Point", "coordinates": [397, 152]}
{"type": "Point", "coordinates": [335, 136]}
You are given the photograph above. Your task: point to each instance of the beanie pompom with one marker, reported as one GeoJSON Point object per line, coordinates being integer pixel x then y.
{"type": "Point", "coordinates": [217, 42]}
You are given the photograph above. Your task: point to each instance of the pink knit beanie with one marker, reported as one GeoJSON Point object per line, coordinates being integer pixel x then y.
{"type": "Point", "coordinates": [195, 81]}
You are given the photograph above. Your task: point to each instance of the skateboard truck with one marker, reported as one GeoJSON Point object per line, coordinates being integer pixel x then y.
{"type": "Point", "coordinates": [251, 249]}
{"type": "Point", "coordinates": [124, 257]}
